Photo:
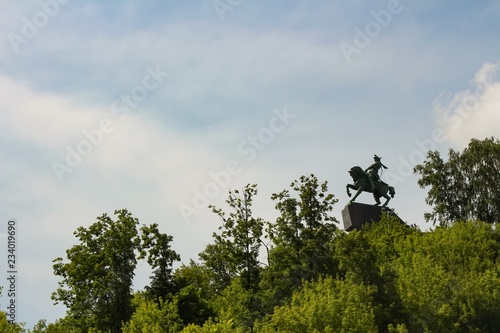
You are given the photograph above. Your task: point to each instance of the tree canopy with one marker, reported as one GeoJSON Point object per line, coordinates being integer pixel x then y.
{"type": "Point", "coordinates": [466, 186]}
{"type": "Point", "coordinates": [96, 281]}
{"type": "Point", "coordinates": [97, 278]}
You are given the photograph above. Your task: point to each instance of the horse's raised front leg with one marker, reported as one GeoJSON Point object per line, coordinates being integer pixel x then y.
{"type": "Point", "coordinates": [352, 187]}
{"type": "Point", "coordinates": [358, 192]}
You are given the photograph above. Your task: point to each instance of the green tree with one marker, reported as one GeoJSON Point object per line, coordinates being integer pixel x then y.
{"type": "Point", "coordinates": [217, 258]}
{"type": "Point", "coordinates": [466, 187]}
{"type": "Point", "coordinates": [151, 317]}
{"type": "Point", "coordinates": [57, 327]}
{"type": "Point", "coordinates": [302, 238]}
{"type": "Point", "coordinates": [367, 258]}
{"type": "Point", "coordinates": [239, 305]}
{"type": "Point", "coordinates": [222, 326]}
{"type": "Point", "coordinates": [195, 293]}
{"type": "Point", "coordinates": [239, 242]}
{"type": "Point", "coordinates": [326, 305]}
{"type": "Point", "coordinates": [449, 279]}
{"type": "Point", "coordinates": [155, 246]}
{"type": "Point", "coordinates": [7, 327]}
{"type": "Point", "coordinates": [97, 279]}
{"type": "Point", "coordinates": [236, 249]}
{"type": "Point", "coordinates": [40, 327]}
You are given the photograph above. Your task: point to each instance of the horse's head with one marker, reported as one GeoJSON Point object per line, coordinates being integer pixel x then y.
{"type": "Point", "coordinates": [356, 173]}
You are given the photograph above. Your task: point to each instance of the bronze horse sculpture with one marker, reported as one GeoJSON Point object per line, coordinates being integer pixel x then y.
{"type": "Point", "coordinates": [362, 183]}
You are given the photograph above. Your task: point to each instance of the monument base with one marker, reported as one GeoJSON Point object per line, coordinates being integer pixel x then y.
{"type": "Point", "coordinates": [355, 215]}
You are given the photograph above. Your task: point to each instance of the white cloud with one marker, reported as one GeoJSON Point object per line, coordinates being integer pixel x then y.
{"type": "Point", "coordinates": [472, 113]}
{"type": "Point", "coordinates": [42, 119]}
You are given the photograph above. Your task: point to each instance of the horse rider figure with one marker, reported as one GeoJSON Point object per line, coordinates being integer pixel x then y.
{"type": "Point", "coordinates": [373, 169]}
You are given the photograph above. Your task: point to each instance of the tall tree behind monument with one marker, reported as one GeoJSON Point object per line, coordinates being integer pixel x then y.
{"type": "Point", "coordinates": [466, 187]}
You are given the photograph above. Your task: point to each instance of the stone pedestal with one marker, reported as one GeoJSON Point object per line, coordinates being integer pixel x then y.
{"type": "Point", "coordinates": [355, 215]}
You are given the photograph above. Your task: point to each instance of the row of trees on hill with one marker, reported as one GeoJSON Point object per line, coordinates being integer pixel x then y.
{"type": "Point", "coordinates": [299, 273]}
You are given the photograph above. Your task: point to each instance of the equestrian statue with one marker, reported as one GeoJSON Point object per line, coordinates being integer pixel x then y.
{"type": "Point", "coordinates": [368, 180]}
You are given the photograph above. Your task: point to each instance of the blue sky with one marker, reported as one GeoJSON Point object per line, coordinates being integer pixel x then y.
{"type": "Point", "coordinates": [164, 96]}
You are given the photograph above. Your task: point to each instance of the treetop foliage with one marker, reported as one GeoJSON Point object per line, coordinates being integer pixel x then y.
{"type": "Point", "coordinates": [466, 187]}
